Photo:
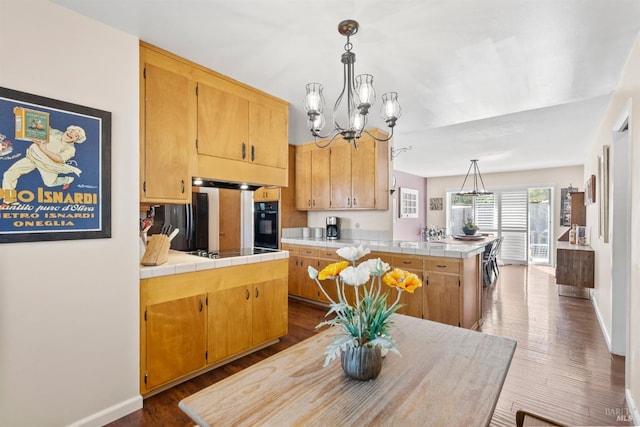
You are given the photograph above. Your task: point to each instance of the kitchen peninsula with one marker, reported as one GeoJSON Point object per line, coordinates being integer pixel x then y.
{"type": "Point", "coordinates": [198, 313]}
{"type": "Point", "coordinates": [451, 273]}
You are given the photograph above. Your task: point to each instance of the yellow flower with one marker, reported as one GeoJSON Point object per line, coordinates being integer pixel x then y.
{"type": "Point", "coordinates": [332, 270]}
{"type": "Point", "coordinates": [402, 279]}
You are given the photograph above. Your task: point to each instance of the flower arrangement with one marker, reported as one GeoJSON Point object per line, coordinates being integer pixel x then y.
{"type": "Point", "coordinates": [365, 321]}
{"type": "Point", "coordinates": [469, 224]}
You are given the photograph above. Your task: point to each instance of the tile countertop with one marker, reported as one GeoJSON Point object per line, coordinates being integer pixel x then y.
{"type": "Point", "coordinates": [443, 248]}
{"type": "Point", "coordinates": [180, 262]}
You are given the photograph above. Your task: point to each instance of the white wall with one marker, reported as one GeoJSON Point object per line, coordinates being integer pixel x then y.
{"type": "Point", "coordinates": [628, 91]}
{"type": "Point", "coordinates": [69, 339]}
{"type": "Point", "coordinates": [556, 177]}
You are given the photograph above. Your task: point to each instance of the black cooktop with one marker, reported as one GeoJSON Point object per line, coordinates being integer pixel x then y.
{"type": "Point", "coordinates": [231, 252]}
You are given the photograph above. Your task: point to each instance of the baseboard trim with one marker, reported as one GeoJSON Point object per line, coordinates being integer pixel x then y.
{"type": "Point", "coordinates": [607, 338]}
{"type": "Point", "coordinates": [110, 414]}
{"type": "Point", "coordinates": [633, 409]}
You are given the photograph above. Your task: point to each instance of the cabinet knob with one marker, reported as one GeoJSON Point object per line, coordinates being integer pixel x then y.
{"type": "Point", "coordinates": [244, 151]}
{"type": "Point", "coordinates": [253, 153]}
{"type": "Point", "coordinates": [182, 186]}
{"type": "Point", "coordinates": [441, 265]}
{"type": "Point", "coordinates": [257, 292]}
{"type": "Point", "coordinates": [248, 294]}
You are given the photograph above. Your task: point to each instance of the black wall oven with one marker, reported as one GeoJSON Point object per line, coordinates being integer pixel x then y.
{"type": "Point", "coordinates": [265, 225]}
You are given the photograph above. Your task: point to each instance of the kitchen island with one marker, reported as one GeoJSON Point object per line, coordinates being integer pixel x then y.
{"type": "Point", "coordinates": [451, 272]}
{"type": "Point", "coordinates": [198, 313]}
{"type": "Point", "coordinates": [445, 376]}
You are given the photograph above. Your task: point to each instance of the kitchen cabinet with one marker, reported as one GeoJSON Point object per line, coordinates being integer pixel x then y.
{"type": "Point", "coordinates": [450, 292]}
{"type": "Point", "coordinates": [412, 302]}
{"type": "Point", "coordinates": [196, 122]}
{"type": "Point", "coordinates": [242, 134]}
{"type": "Point", "coordinates": [167, 129]}
{"type": "Point", "coordinates": [242, 317]}
{"type": "Point", "coordinates": [193, 322]}
{"type": "Point", "coordinates": [175, 339]}
{"type": "Point", "coordinates": [313, 188]}
{"type": "Point", "coordinates": [343, 177]}
{"type": "Point", "coordinates": [266, 194]}
{"type": "Point", "coordinates": [357, 181]}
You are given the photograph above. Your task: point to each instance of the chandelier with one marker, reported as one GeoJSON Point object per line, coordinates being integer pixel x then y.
{"type": "Point", "coordinates": [476, 177]}
{"type": "Point", "coordinates": [360, 96]}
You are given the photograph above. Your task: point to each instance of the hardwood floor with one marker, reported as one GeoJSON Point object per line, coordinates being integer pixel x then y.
{"type": "Point", "coordinates": [561, 369]}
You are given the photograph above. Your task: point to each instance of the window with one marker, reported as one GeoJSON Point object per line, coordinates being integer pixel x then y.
{"type": "Point", "coordinates": [408, 203]}
{"type": "Point", "coordinates": [506, 213]}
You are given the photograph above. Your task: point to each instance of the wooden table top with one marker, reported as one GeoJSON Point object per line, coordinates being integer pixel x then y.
{"type": "Point", "coordinates": [445, 376]}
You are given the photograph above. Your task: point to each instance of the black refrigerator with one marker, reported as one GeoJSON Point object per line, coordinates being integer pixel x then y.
{"type": "Point", "coordinates": [192, 220]}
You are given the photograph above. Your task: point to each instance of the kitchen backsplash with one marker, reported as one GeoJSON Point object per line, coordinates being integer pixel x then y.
{"type": "Point", "coordinates": [345, 234]}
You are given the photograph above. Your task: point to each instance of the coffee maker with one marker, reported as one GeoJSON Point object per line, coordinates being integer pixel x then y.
{"type": "Point", "coordinates": [333, 228]}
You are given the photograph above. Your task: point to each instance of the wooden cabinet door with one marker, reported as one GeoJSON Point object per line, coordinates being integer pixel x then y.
{"type": "Point", "coordinates": [229, 322]}
{"type": "Point", "coordinates": [223, 124]}
{"type": "Point", "coordinates": [264, 194]}
{"type": "Point", "coordinates": [340, 176]}
{"type": "Point", "coordinates": [229, 219]}
{"type": "Point", "coordinates": [176, 339]}
{"type": "Point", "coordinates": [166, 173]}
{"type": "Point", "coordinates": [363, 174]}
{"type": "Point", "coordinates": [303, 179]}
{"type": "Point", "coordinates": [412, 303]}
{"type": "Point", "coordinates": [308, 287]}
{"type": "Point", "coordinates": [442, 298]}
{"type": "Point", "coordinates": [320, 182]}
{"type": "Point", "coordinates": [270, 310]}
{"type": "Point", "coordinates": [268, 141]}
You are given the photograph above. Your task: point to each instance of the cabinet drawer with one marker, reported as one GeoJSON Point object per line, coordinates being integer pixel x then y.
{"type": "Point", "coordinates": [442, 265]}
{"type": "Point", "coordinates": [328, 253]}
{"type": "Point", "coordinates": [405, 262]}
{"type": "Point", "coordinates": [293, 250]}
{"type": "Point", "coordinates": [308, 251]}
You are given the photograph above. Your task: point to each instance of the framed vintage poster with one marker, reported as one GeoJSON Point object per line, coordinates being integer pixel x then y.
{"type": "Point", "coordinates": [55, 164]}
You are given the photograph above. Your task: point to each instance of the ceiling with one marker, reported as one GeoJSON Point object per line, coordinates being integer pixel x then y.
{"type": "Point", "coordinates": [517, 84]}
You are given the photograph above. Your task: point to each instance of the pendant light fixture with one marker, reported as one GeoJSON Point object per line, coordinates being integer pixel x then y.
{"type": "Point", "coordinates": [360, 96]}
{"type": "Point", "coordinates": [476, 191]}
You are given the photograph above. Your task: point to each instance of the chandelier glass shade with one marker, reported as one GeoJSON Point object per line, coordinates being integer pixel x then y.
{"type": "Point", "coordinates": [476, 190]}
{"type": "Point", "coordinates": [357, 93]}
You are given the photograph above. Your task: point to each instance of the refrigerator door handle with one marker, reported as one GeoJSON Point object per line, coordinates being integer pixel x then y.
{"type": "Point", "coordinates": [189, 221]}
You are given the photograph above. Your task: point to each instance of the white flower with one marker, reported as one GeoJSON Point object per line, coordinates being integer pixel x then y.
{"type": "Point", "coordinates": [313, 273]}
{"type": "Point", "coordinates": [351, 253]}
{"type": "Point", "coordinates": [355, 276]}
{"type": "Point", "coordinates": [376, 267]}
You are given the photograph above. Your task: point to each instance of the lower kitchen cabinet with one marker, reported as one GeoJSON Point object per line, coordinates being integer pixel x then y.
{"type": "Point", "coordinates": [442, 298]}
{"type": "Point", "coordinates": [176, 340]}
{"type": "Point", "coordinates": [193, 322]}
{"type": "Point", "coordinates": [450, 292]}
{"type": "Point", "coordinates": [229, 322]}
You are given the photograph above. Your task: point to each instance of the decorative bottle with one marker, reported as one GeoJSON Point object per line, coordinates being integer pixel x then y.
{"type": "Point", "coordinates": [572, 234]}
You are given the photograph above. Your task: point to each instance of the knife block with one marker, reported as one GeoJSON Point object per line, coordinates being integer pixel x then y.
{"type": "Point", "coordinates": [157, 250]}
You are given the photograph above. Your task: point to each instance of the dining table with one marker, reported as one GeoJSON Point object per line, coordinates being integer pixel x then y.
{"type": "Point", "coordinates": [443, 376]}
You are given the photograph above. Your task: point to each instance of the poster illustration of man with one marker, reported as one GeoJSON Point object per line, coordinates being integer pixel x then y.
{"type": "Point", "coordinates": [50, 158]}
{"type": "Point", "coordinates": [52, 170]}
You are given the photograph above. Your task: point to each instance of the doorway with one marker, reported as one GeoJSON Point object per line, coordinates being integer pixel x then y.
{"type": "Point", "coordinates": [620, 222]}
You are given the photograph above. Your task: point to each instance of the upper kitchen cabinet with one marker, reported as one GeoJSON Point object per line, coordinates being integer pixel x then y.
{"type": "Point", "coordinates": [167, 128]}
{"type": "Point", "coordinates": [242, 133]}
{"type": "Point", "coordinates": [353, 178]}
{"type": "Point", "coordinates": [313, 188]}
{"type": "Point", "coordinates": [196, 122]}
